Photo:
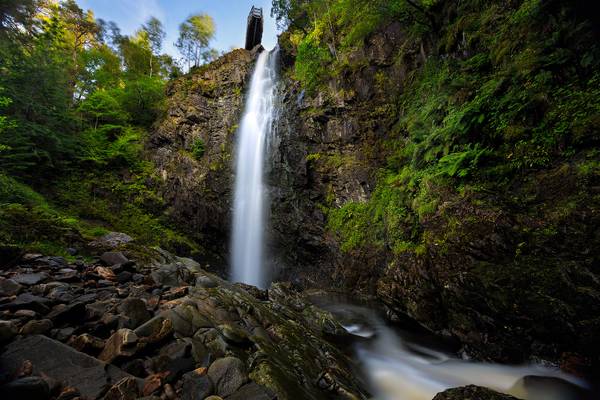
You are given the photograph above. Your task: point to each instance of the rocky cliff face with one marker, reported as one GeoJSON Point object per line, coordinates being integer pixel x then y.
{"type": "Point", "coordinates": [192, 148]}
{"type": "Point", "coordinates": [326, 152]}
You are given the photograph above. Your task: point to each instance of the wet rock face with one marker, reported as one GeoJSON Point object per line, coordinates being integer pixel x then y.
{"type": "Point", "coordinates": [204, 107]}
{"type": "Point", "coordinates": [326, 150]}
{"type": "Point", "coordinates": [197, 337]}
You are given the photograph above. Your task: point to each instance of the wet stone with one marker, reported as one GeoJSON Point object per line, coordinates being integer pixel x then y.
{"type": "Point", "coordinates": [125, 389]}
{"type": "Point", "coordinates": [113, 258]}
{"type": "Point", "coordinates": [9, 287]}
{"type": "Point", "coordinates": [123, 343]}
{"type": "Point", "coordinates": [174, 359]}
{"type": "Point", "coordinates": [155, 330]}
{"type": "Point", "coordinates": [234, 333]}
{"type": "Point", "coordinates": [87, 343]}
{"type": "Point", "coordinates": [228, 374]}
{"type": "Point", "coordinates": [472, 392]}
{"type": "Point", "coordinates": [124, 276]}
{"type": "Point", "coordinates": [63, 334]}
{"type": "Point", "coordinates": [253, 391]}
{"type": "Point", "coordinates": [61, 294]}
{"type": "Point", "coordinates": [64, 313]}
{"type": "Point", "coordinates": [30, 279]}
{"type": "Point", "coordinates": [8, 330]}
{"type": "Point", "coordinates": [27, 301]}
{"type": "Point", "coordinates": [152, 384]}
{"type": "Point", "coordinates": [36, 327]}
{"type": "Point", "coordinates": [135, 367]}
{"type": "Point", "coordinates": [135, 312]}
{"type": "Point", "coordinates": [196, 386]}
{"type": "Point", "coordinates": [69, 393]}
{"type": "Point", "coordinates": [25, 314]}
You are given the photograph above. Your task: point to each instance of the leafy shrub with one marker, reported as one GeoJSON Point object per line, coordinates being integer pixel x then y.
{"type": "Point", "coordinates": [312, 63]}
{"type": "Point", "coordinates": [198, 148]}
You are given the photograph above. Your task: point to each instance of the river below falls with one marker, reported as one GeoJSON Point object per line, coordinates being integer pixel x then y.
{"type": "Point", "coordinates": [401, 363]}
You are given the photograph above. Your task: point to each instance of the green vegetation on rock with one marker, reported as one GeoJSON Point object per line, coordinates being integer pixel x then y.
{"type": "Point", "coordinates": [77, 99]}
{"type": "Point", "coordinates": [485, 115]}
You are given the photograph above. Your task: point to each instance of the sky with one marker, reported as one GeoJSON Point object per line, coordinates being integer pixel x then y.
{"type": "Point", "coordinates": [230, 18]}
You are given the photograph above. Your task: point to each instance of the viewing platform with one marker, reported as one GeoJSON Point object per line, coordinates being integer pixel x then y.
{"type": "Point", "coordinates": [254, 30]}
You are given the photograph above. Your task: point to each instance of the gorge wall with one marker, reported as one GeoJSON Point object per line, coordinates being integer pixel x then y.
{"type": "Point", "coordinates": [438, 172]}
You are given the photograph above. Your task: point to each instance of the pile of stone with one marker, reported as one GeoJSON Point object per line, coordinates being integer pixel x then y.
{"type": "Point", "coordinates": [118, 328]}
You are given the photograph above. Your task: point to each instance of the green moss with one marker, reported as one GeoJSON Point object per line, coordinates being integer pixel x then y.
{"type": "Point", "coordinates": [131, 206]}
{"type": "Point", "coordinates": [313, 157]}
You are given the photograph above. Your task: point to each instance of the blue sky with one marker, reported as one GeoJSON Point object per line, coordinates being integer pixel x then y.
{"type": "Point", "coordinates": [229, 15]}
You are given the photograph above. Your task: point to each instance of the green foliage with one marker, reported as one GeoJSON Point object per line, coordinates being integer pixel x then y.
{"type": "Point", "coordinates": [76, 100]}
{"type": "Point", "coordinates": [130, 206]}
{"type": "Point", "coordinates": [198, 149]}
{"type": "Point", "coordinates": [143, 100]}
{"type": "Point", "coordinates": [12, 191]}
{"type": "Point", "coordinates": [323, 29]}
{"type": "Point", "coordinates": [312, 63]}
{"type": "Point", "coordinates": [195, 35]}
{"type": "Point", "coordinates": [518, 104]}
{"type": "Point", "coordinates": [101, 107]}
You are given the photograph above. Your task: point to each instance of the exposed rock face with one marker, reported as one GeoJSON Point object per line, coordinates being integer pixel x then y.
{"type": "Point", "coordinates": [203, 106]}
{"type": "Point", "coordinates": [472, 393]}
{"type": "Point", "coordinates": [326, 152]}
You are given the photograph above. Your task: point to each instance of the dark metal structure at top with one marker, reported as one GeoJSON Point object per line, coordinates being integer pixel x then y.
{"type": "Point", "coordinates": [255, 28]}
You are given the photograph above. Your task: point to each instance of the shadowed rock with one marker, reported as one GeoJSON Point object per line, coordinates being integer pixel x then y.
{"type": "Point", "coordinates": [472, 392]}
{"type": "Point", "coordinates": [61, 363]}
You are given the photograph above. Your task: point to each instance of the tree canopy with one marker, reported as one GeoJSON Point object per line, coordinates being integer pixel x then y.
{"type": "Point", "coordinates": [195, 35]}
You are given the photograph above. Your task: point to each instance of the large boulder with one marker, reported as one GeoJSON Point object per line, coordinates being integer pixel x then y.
{"type": "Point", "coordinates": [111, 241]}
{"type": "Point", "coordinates": [228, 375]}
{"type": "Point", "coordinates": [61, 363]}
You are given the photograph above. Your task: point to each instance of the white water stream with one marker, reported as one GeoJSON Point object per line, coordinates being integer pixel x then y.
{"type": "Point", "coordinates": [400, 370]}
{"type": "Point", "coordinates": [249, 196]}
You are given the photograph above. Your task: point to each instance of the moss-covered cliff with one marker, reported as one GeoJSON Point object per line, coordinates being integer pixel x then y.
{"type": "Point", "coordinates": [446, 159]}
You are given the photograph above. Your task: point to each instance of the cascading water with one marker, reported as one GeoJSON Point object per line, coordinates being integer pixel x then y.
{"type": "Point", "coordinates": [249, 195]}
{"type": "Point", "coordinates": [399, 369]}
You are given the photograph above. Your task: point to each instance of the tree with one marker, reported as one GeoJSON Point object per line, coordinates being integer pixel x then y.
{"type": "Point", "coordinates": [155, 34]}
{"type": "Point", "coordinates": [15, 14]}
{"type": "Point", "coordinates": [194, 36]}
{"type": "Point", "coordinates": [102, 108]}
{"type": "Point", "coordinates": [79, 32]}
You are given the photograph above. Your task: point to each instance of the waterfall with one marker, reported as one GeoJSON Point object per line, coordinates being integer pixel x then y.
{"type": "Point", "coordinates": [249, 196]}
